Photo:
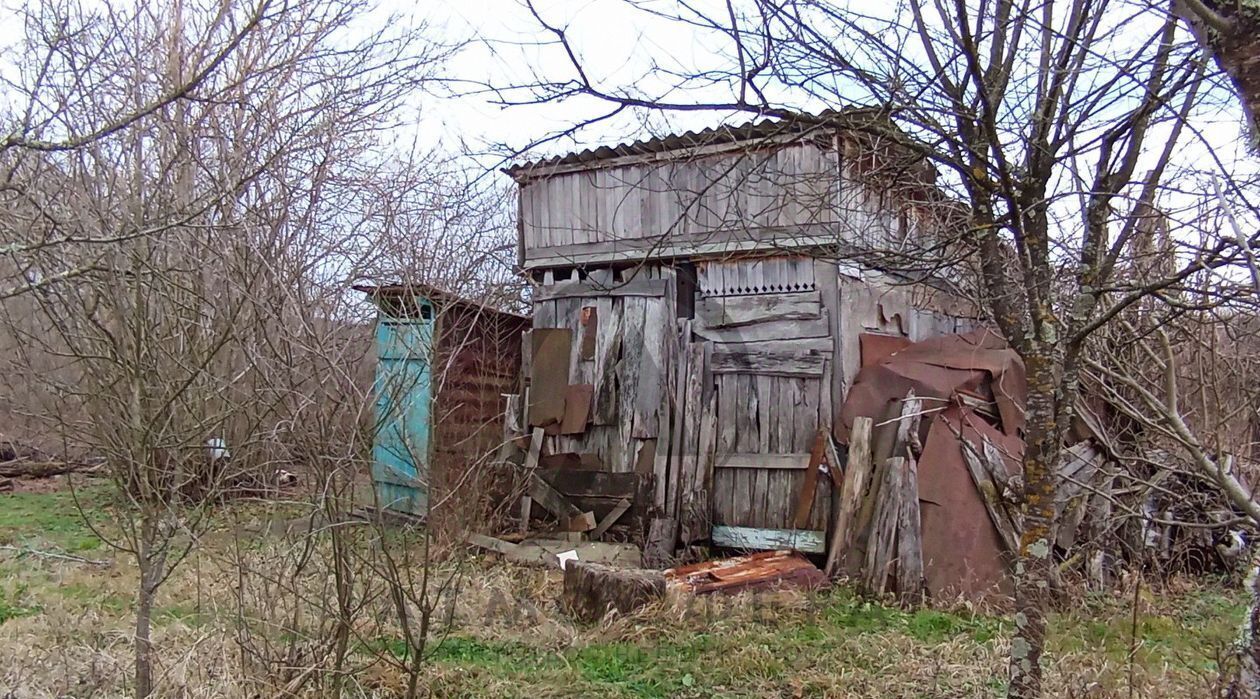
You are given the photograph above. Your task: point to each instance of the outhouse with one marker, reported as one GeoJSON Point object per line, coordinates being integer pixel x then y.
{"type": "Point", "coordinates": [443, 365]}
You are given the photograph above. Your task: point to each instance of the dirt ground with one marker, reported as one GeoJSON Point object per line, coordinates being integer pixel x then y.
{"type": "Point", "coordinates": [237, 619]}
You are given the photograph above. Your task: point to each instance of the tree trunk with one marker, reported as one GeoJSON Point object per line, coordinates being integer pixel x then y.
{"type": "Point", "coordinates": [1032, 570]}
{"type": "Point", "coordinates": [1246, 681]}
{"type": "Point", "coordinates": [151, 570]}
{"type": "Point", "coordinates": [1230, 29]}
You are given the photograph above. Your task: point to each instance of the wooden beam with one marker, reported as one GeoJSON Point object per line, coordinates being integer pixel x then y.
{"type": "Point", "coordinates": [550, 498]}
{"type": "Point", "coordinates": [735, 311]}
{"type": "Point", "coordinates": [765, 332]}
{"type": "Point", "coordinates": [589, 289]}
{"type": "Point", "coordinates": [611, 518]}
{"type": "Point", "coordinates": [795, 462]}
{"type": "Point", "coordinates": [793, 364]}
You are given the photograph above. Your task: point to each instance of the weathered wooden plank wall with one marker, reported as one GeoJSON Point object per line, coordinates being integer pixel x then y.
{"type": "Point", "coordinates": [595, 212]}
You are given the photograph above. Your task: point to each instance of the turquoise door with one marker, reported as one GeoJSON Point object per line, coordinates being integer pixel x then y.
{"type": "Point", "coordinates": [403, 386]}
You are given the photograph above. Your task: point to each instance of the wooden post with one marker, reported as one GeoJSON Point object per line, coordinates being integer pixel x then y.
{"type": "Point", "coordinates": [881, 548]}
{"type": "Point", "coordinates": [527, 510]}
{"type": "Point", "coordinates": [910, 539]}
{"type": "Point", "coordinates": [856, 474]}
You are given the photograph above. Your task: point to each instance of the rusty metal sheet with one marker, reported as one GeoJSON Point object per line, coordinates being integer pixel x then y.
{"type": "Point", "coordinates": [759, 571]}
{"type": "Point", "coordinates": [962, 551]}
{"type": "Point", "coordinates": [874, 348]}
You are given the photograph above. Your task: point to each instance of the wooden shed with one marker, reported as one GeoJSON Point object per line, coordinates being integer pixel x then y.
{"type": "Point", "coordinates": [701, 304]}
{"type": "Point", "coordinates": [443, 365]}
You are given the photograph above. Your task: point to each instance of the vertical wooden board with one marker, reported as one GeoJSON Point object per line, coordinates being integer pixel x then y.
{"type": "Point", "coordinates": [657, 317]}
{"type": "Point", "coordinates": [607, 352]}
{"type": "Point", "coordinates": [549, 374]}
{"type": "Point", "coordinates": [632, 308]}
{"type": "Point", "coordinates": [833, 388]}
{"type": "Point", "coordinates": [587, 221]}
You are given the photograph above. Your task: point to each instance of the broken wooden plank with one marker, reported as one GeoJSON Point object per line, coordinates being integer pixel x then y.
{"type": "Point", "coordinates": [611, 518]}
{"type": "Point", "coordinates": [857, 473]}
{"type": "Point", "coordinates": [753, 361]}
{"type": "Point", "coordinates": [577, 408]}
{"type": "Point", "coordinates": [757, 571]}
{"type": "Point", "coordinates": [761, 332]}
{"type": "Point", "coordinates": [548, 374]}
{"type": "Point", "coordinates": [735, 311]}
{"type": "Point", "coordinates": [882, 544]}
{"type": "Point", "coordinates": [990, 495]}
{"type": "Point", "coordinates": [557, 504]}
{"type": "Point", "coordinates": [583, 522]}
{"type": "Point", "coordinates": [910, 539]}
{"type": "Point", "coordinates": [795, 462]}
{"type": "Point", "coordinates": [491, 544]}
{"type": "Point", "coordinates": [535, 448]}
{"type": "Point", "coordinates": [591, 289]}
{"type": "Point", "coordinates": [805, 497]}
{"type": "Point", "coordinates": [759, 538]}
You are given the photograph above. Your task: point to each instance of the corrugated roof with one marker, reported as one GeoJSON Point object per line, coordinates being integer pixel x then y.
{"type": "Point", "coordinates": [755, 129]}
{"type": "Point", "coordinates": [432, 293]}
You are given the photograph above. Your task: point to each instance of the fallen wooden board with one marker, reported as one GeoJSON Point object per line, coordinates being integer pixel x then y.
{"type": "Point", "coordinates": [611, 518]}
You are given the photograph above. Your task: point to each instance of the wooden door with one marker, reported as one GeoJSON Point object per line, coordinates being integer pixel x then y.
{"type": "Point", "coordinates": [770, 361]}
{"type": "Point", "coordinates": [403, 387]}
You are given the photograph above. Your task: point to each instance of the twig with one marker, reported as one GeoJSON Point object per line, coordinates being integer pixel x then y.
{"type": "Point", "coordinates": [53, 554]}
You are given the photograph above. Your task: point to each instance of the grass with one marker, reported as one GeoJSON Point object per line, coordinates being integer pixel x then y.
{"type": "Point", "coordinates": [52, 519]}
{"type": "Point", "coordinates": [509, 639]}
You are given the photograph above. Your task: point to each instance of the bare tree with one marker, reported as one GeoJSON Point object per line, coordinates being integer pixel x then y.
{"type": "Point", "coordinates": [175, 182]}
{"type": "Point", "coordinates": [1052, 127]}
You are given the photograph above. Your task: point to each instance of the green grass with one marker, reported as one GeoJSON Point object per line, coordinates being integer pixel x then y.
{"type": "Point", "coordinates": [52, 519]}
{"type": "Point", "coordinates": [14, 604]}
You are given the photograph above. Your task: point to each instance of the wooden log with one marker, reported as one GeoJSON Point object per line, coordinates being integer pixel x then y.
{"type": "Point", "coordinates": [592, 590]}
{"type": "Point", "coordinates": [910, 539]}
{"type": "Point", "coordinates": [881, 548]}
{"type": "Point", "coordinates": [857, 473]}
{"type": "Point", "coordinates": [908, 444]}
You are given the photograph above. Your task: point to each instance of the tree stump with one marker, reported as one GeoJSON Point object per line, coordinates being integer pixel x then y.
{"type": "Point", "coordinates": [591, 589]}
